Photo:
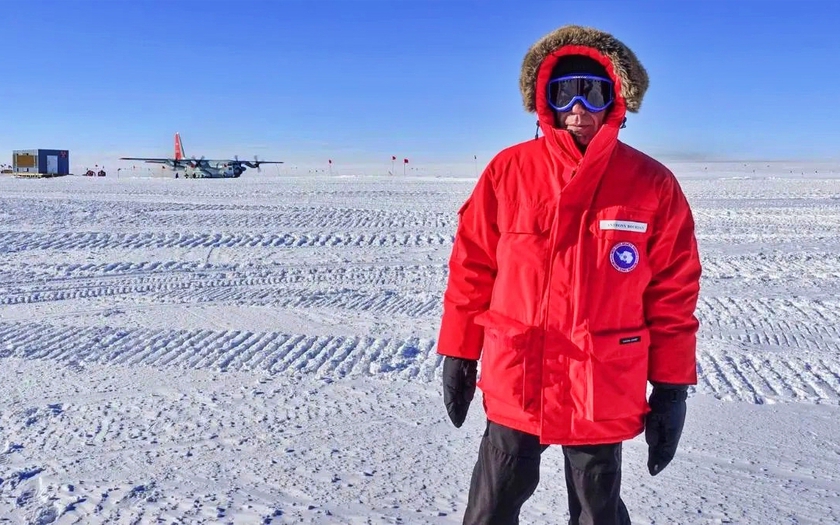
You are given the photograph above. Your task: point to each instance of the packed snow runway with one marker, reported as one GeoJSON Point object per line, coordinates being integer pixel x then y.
{"type": "Point", "coordinates": [262, 350]}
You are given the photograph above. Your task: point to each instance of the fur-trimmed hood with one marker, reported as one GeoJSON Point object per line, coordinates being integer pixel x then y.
{"type": "Point", "coordinates": [629, 75]}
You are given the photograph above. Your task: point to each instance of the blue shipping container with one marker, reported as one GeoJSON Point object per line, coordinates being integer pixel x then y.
{"type": "Point", "coordinates": [54, 161]}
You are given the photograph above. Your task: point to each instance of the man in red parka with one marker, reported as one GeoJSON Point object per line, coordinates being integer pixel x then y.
{"type": "Point", "coordinates": [573, 278]}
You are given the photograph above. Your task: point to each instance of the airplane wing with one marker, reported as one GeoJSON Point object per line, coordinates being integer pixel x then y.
{"type": "Point", "coordinates": [152, 160]}
{"type": "Point", "coordinates": [240, 161]}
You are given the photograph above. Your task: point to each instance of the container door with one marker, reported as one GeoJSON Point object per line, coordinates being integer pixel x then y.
{"type": "Point", "coordinates": [52, 164]}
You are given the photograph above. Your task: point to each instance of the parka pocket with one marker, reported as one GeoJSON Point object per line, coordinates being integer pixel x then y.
{"type": "Point", "coordinates": [523, 259]}
{"type": "Point", "coordinates": [618, 379]}
{"type": "Point", "coordinates": [506, 365]}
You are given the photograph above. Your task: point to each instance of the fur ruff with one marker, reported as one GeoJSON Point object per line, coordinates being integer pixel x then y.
{"type": "Point", "coordinates": [630, 72]}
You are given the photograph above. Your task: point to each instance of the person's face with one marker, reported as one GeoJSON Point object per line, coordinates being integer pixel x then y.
{"type": "Point", "coordinates": [581, 123]}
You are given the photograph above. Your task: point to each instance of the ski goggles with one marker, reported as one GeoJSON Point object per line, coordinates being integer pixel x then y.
{"type": "Point", "coordinates": [595, 93]}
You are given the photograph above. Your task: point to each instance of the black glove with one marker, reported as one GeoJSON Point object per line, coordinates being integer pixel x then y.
{"type": "Point", "coordinates": [458, 387]}
{"type": "Point", "coordinates": [664, 424]}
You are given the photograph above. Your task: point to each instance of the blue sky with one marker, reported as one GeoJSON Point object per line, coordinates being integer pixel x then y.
{"type": "Point", "coordinates": [436, 81]}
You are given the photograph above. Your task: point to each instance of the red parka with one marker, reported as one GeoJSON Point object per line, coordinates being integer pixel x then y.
{"type": "Point", "coordinates": [574, 277]}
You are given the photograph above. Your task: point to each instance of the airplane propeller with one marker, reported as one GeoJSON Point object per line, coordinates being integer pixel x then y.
{"type": "Point", "coordinates": [253, 164]}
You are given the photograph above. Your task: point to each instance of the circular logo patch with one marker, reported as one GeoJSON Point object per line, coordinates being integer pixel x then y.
{"type": "Point", "coordinates": [624, 257]}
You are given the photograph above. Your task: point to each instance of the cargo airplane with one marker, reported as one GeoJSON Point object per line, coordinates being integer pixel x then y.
{"type": "Point", "coordinates": [204, 168]}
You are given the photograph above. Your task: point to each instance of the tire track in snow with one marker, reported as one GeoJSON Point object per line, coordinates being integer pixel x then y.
{"type": "Point", "coordinates": [413, 305]}
{"type": "Point", "coordinates": [276, 353]}
{"type": "Point", "coordinates": [778, 266]}
{"type": "Point", "coordinates": [762, 349]}
{"type": "Point", "coordinates": [400, 290]}
{"type": "Point", "coordinates": [777, 379]}
{"type": "Point", "coordinates": [789, 324]}
{"type": "Point", "coordinates": [70, 275]}
{"type": "Point", "coordinates": [13, 242]}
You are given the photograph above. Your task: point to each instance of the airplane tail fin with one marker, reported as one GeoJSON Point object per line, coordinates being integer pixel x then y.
{"type": "Point", "coordinates": [179, 148]}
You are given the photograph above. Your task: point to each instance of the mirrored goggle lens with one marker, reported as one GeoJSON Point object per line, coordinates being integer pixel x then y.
{"type": "Point", "coordinates": [596, 93]}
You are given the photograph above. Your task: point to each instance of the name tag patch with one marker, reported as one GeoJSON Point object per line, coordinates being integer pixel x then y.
{"type": "Point", "coordinates": [625, 226]}
{"type": "Point", "coordinates": [628, 340]}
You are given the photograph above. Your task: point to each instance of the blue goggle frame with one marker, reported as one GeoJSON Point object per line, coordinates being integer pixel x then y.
{"type": "Point", "coordinates": [594, 92]}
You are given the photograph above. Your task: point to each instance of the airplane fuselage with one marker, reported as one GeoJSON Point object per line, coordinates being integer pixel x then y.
{"type": "Point", "coordinates": [213, 170]}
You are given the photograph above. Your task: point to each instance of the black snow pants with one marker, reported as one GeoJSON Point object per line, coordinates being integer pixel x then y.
{"type": "Point", "coordinates": [508, 470]}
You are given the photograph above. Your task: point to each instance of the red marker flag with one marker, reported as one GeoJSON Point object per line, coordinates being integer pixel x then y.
{"type": "Point", "coordinates": [330, 161]}
{"type": "Point", "coordinates": [405, 161]}
{"type": "Point", "coordinates": [393, 157]}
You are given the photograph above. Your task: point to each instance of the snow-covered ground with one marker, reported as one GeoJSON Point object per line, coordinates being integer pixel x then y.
{"type": "Point", "coordinates": [262, 350]}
